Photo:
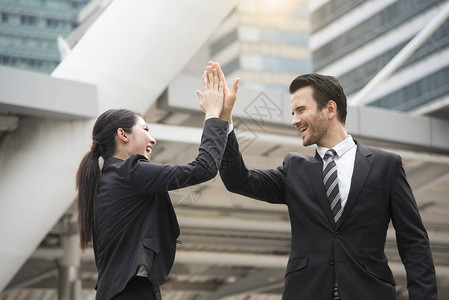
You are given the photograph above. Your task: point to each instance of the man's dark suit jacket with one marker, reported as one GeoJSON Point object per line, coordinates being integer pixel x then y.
{"type": "Point", "coordinates": [135, 223]}
{"type": "Point", "coordinates": [350, 252]}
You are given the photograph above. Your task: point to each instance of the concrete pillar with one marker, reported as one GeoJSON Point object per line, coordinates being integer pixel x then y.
{"type": "Point", "coordinates": [69, 286]}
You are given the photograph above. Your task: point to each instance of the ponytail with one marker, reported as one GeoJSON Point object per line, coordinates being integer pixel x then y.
{"type": "Point", "coordinates": [89, 173]}
{"type": "Point", "coordinates": [87, 179]}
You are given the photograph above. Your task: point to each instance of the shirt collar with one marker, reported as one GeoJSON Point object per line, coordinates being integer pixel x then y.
{"type": "Point", "coordinates": [112, 160]}
{"type": "Point", "coordinates": [341, 148]}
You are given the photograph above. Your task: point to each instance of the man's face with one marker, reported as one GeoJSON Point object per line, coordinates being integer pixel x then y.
{"type": "Point", "coordinates": [310, 122]}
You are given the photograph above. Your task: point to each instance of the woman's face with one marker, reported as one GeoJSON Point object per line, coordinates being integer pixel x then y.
{"type": "Point", "coordinates": [140, 140]}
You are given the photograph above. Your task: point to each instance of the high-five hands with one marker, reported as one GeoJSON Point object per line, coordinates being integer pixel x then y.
{"type": "Point", "coordinates": [211, 101]}
{"type": "Point", "coordinates": [229, 95]}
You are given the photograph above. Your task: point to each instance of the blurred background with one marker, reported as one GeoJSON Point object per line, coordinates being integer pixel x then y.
{"type": "Point", "coordinates": [63, 62]}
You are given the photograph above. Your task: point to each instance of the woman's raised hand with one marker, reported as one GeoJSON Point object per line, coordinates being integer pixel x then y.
{"type": "Point", "coordinates": [211, 101]}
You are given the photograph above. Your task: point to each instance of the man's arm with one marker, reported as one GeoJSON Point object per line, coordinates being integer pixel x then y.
{"type": "Point", "coordinates": [411, 238]}
{"type": "Point", "coordinates": [265, 185]}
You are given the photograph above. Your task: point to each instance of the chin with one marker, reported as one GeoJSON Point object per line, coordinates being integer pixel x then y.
{"type": "Point", "coordinates": [306, 142]}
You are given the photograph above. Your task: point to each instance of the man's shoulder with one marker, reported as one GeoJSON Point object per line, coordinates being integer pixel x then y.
{"type": "Point", "coordinates": [377, 152]}
{"type": "Point", "coordinates": [296, 156]}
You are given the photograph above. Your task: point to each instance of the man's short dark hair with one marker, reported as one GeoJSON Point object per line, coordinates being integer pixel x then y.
{"type": "Point", "coordinates": [325, 88]}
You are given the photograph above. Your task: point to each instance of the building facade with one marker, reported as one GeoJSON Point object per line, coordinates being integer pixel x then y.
{"type": "Point", "coordinates": [265, 43]}
{"type": "Point", "coordinates": [29, 30]}
{"type": "Point", "coordinates": [354, 39]}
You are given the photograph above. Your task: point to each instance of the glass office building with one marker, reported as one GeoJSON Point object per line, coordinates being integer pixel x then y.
{"type": "Point", "coordinates": [265, 43]}
{"type": "Point", "coordinates": [29, 30]}
{"type": "Point", "coordinates": [355, 39]}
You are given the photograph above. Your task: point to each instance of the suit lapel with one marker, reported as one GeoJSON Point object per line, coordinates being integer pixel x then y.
{"type": "Point", "coordinates": [315, 169]}
{"type": "Point", "coordinates": [362, 167]}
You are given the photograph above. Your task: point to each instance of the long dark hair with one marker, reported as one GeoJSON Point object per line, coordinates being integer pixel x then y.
{"type": "Point", "coordinates": [89, 173]}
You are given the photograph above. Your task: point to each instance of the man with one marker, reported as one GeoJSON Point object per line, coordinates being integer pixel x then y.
{"type": "Point", "coordinates": [340, 203]}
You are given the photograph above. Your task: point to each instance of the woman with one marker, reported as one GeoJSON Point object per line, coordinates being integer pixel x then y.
{"type": "Point", "coordinates": [125, 208]}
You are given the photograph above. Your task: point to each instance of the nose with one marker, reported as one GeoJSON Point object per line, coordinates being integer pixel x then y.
{"type": "Point", "coordinates": [295, 120]}
{"type": "Point", "coordinates": [152, 141]}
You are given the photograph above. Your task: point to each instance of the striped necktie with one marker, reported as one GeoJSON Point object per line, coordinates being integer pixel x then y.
{"type": "Point", "coordinates": [330, 181]}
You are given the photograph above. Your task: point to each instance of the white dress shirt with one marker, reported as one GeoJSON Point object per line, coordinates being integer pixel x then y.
{"type": "Point", "coordinates": [230, 127]}
{"type": "Point", "coordinates": [344, 160]}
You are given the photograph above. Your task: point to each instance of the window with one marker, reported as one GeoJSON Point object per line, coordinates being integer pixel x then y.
{"type": "Point", "coordinates": [35, 62]}
{"type": "Point", "coordinates": [4, 17]}
{"type": "Point", "coordinates": [331, 11]}
{"type": "Point", "coordinates": [7, 60]}
{"type": "Point", "coordinates": [28, 20]}
{"type": "Point", "coordinates": [53, 23]}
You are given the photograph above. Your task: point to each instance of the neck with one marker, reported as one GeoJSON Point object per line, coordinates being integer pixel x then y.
{"type": "Point", "coordinates": [334, 136]}
{"type": "Point", "coordinates": [121, 155]}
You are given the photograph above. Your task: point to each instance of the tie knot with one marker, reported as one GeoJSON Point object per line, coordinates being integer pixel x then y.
{"type": "Point", "coordinates": [330, 153]}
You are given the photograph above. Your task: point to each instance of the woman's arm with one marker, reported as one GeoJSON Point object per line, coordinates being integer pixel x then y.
{"type": "Point", "coordinates": [148, 178]}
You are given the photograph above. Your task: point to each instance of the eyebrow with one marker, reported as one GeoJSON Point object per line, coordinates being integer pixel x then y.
{"type": "Point", "coordinates": [298, 108]}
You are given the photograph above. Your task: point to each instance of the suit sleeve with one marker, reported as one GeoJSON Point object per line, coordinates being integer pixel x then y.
{"type": "Point", "coordinates": [411, 238]}
{"type": "Point", "coordinates": [150, 178]}
{"type": "Point", "coordinates": [265, 185]}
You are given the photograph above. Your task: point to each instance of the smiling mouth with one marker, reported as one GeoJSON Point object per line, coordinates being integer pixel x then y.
{"type": "Point", "coordinates": [302, 129]}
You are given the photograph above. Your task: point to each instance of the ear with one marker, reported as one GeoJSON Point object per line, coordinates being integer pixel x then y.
{"type": "Point", "coordinates": [331, 108]}
{"type": "Point", "coordinates": [122, 135]}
